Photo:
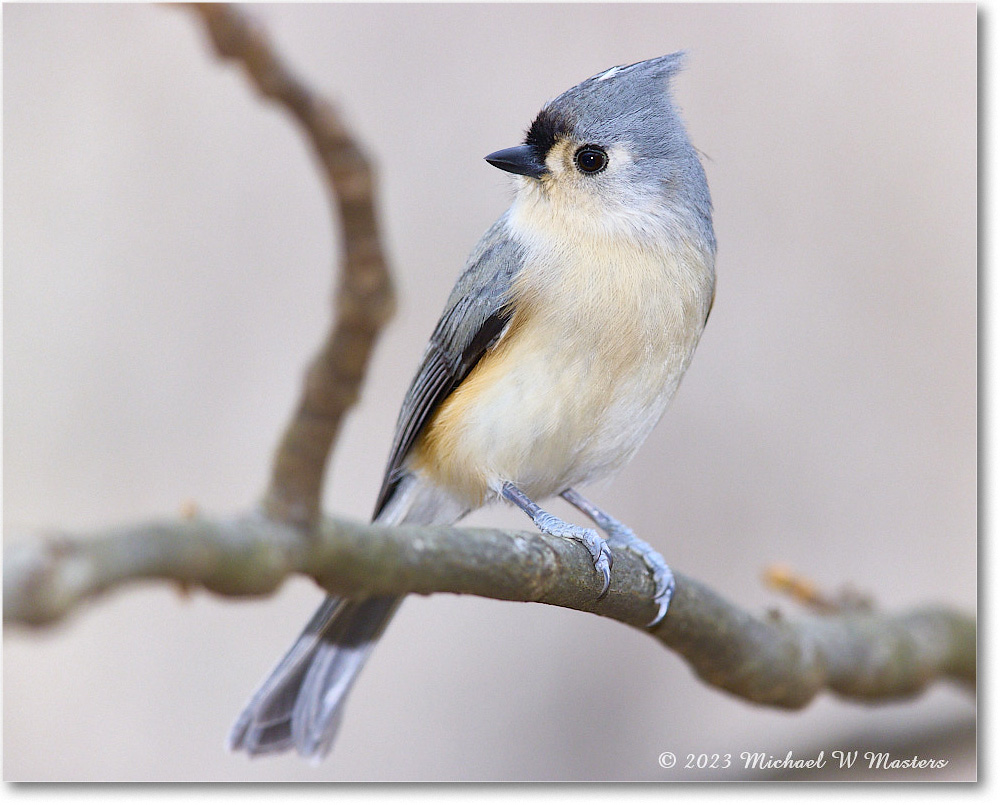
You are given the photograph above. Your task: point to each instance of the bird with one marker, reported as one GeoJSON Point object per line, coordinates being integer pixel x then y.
{"type": "Point", "coordinates": [559, 349]}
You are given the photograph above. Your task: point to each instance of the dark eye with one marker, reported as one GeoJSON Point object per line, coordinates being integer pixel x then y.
{"type": "Point", "coordinates": [591, 159]}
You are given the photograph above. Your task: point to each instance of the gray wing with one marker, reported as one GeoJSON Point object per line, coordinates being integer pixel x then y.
{"type": "Point", "coordinates": [474, 318]}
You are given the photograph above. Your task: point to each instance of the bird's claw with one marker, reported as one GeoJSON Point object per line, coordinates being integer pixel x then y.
{"type": "Point", "coordinates": [588, 537]}
{"type": "Point", "coordinates": [663, 577]}
{"type": "Point", "coordinates": [603, 563]}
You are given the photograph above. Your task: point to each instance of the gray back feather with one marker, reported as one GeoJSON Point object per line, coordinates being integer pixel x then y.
{"type": "Point", "coordinates": [473, 320]}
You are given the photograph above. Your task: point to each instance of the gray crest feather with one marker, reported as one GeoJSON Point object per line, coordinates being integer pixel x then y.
{"type": "Point", "coordinates": [631, 100]}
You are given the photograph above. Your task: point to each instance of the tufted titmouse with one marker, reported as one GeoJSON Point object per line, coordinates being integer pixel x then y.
{"type": "Point", "coordinates": [559, 349]}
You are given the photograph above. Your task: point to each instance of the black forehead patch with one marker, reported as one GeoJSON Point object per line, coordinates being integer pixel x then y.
{"type": "Point", "coordinates": [544, 131]}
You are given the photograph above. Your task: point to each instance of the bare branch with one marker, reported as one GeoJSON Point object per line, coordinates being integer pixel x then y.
{"type": "Point", "coordinates": [858, 654]}
{"type": "Point", "coordinates": [364, 297]}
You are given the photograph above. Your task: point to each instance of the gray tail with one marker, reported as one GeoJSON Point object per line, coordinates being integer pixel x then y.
{"type": "Point", "coordinates": [301, 703]}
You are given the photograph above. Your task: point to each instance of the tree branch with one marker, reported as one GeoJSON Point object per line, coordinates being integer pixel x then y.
{"type": "Point", "coordinates": [364, 297]}
{"type": "Point", "coordinates": [857, 654]}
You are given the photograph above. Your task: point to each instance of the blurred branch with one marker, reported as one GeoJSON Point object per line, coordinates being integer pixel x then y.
{"type": "Point", "coordinates": [364, 297]}
{"type": "Point", "coordinates": [855, 653]}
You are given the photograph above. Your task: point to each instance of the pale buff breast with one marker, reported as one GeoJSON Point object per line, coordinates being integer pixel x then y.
{"type": "Point", "coordinates": [600, 339]}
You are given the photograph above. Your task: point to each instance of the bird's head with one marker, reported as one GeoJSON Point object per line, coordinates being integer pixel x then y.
{"type": "Point", "coordinates": [612, 150]}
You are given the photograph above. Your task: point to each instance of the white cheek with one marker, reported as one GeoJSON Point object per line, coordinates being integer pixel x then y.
{"type": "Point", "coordinates": [569, 202]}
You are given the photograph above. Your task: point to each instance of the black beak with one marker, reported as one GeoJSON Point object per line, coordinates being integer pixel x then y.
{"type": "Point", "coordinates": [520, 159]}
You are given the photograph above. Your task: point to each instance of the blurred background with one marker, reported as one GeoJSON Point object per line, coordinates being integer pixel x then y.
{"type": "Point", "coordinates": [167, 275]}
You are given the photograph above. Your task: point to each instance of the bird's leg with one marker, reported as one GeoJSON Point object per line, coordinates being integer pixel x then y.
{"type": "Point", "coordinates": [550, 524]}
{"type": "Point", "coordinates": [621, 536]}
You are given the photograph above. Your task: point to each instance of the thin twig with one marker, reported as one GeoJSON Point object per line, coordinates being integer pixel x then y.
{"type": "Point", "coordinates": [804, 591]}
{"type": "Point", "coordinates": [364, 297]}
{"type": "Point", "coordinates": [857, 654]}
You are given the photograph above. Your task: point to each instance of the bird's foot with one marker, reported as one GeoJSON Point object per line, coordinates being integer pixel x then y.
{"type": "Point", "coordinates": [621, 536]}
{"type": "Point", "coordinates": [588, 537]}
